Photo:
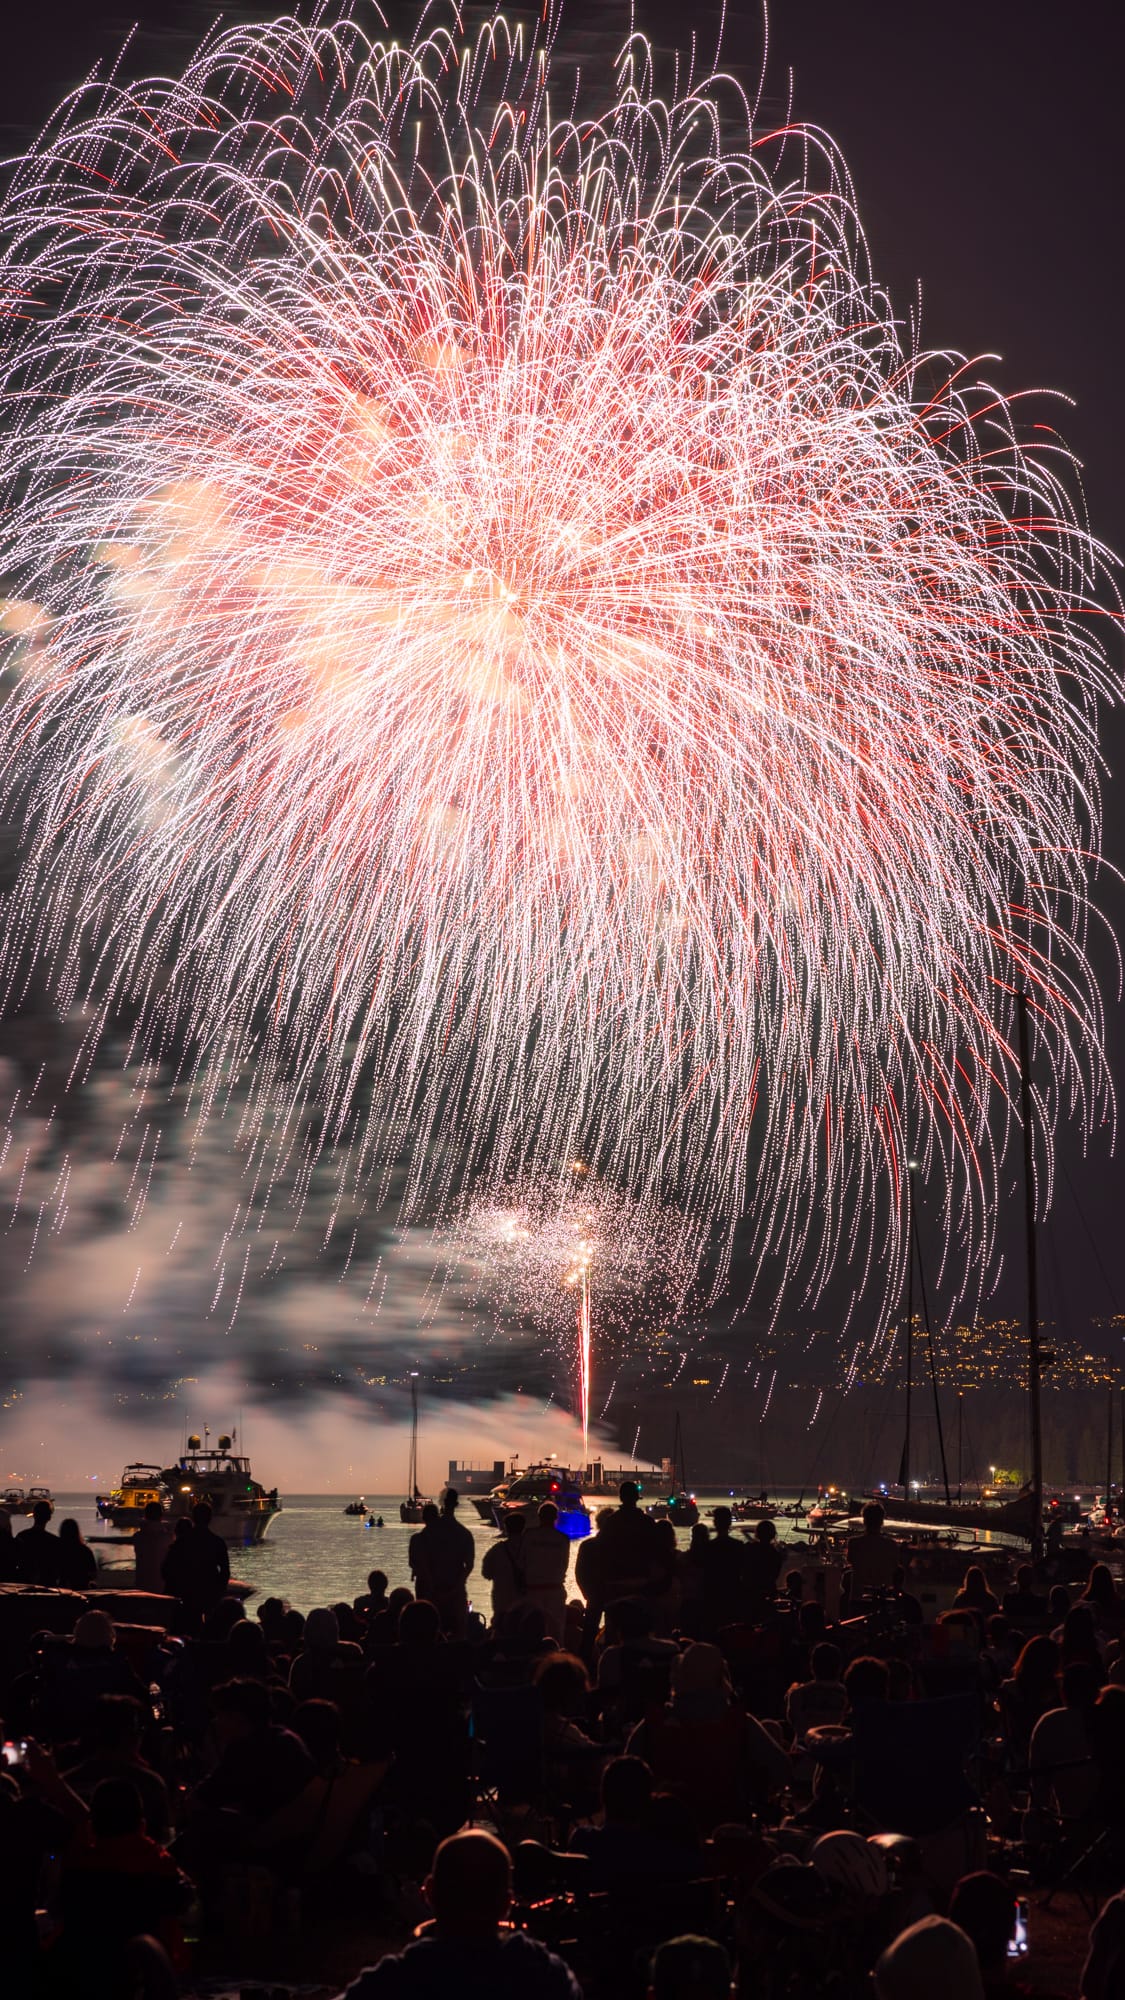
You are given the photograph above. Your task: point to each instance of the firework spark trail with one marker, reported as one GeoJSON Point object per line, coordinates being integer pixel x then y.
{"type": "Point", "coordinates": [576, 1259]}
{"type": "Point", "coordinates": [504, 640]}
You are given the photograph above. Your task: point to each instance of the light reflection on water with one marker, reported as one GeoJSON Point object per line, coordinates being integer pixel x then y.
{"type": "Point", "coordinates": [316, 1554]}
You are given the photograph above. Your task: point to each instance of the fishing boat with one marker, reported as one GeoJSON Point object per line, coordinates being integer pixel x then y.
{"type": "Point", "coordinates": [140, 1485]}
{"type": "Point", "coordinates": [241, 1508]}
{"type": "Point", "coordinates": [410, 1511]}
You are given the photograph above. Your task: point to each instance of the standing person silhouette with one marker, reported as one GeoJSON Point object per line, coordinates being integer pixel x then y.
{"type": "Point", "coordinates": [197, 1567]}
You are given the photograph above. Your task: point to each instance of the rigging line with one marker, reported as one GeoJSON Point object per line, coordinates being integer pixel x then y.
{"type": "Point", "coordinates": [974, 1478]}
{"type": "Point", "coordinates": [823, 1443]}
{"type": "Point", "coordinates": [1090, 1238]}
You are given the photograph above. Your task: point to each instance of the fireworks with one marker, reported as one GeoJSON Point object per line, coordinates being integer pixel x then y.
{"type": "Point", "coordinates": [568, 1254]}
{"type": "Point", "coordinates": [507, 645]}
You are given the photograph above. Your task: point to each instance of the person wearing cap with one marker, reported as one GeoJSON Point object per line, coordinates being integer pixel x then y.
{"type": "Point", "coordinates": [931, 1960]}
{"type": "Point", "coordinates": [469, 1951]}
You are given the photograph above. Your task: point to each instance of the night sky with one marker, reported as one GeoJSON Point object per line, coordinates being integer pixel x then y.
{"type": "Point", "coordinates": [987, 149]}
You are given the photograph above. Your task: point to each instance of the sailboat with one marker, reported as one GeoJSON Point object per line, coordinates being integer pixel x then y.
{"type": "Point", "coordinates": [1023, 1516]}
{"type": "Point", "coordinates": [410, 1511]}
{"type": "Point", "coordinates": [680, 1506]}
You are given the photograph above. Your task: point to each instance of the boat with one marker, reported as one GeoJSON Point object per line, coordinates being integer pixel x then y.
{"type": "Point", "coordinates": [140, 1484]}
{"type": "Point", "coordinates": [997, 1517]}
{"type": "Point", "coordinates": [241, 1508]}
{"type": "Point", "coordinates": [938, 1558]}
{"type": "Point", "coordinates": [525, 1492]}
{"type": "Point", "coordinates": [15, 1501]}
{"type": "Point", "coordinates": [679, 1506]}
{"type": "Point", "coordinates": [1021, 1518]}
{"type": "Point", "coordinates": [682, 1509]}
{"type": "Point", "coordinates": [753, 1510]}
{"type": "Point", "coordinates": [410, 1511]}
{"type": "Point", "coordinates": [357, 1508]}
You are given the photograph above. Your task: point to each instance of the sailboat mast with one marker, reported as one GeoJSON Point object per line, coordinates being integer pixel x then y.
{"type": "Point", "coordinates": [960, 1429]}
{"type": "Point", "coordinates": [1034, 1360]}
{"type": "Point", "coordinates": [412, 1475]}
{"type": "Point", "coordinates": [928, 1324]}
{"type": "Point", "coordinates": [909, 1324]}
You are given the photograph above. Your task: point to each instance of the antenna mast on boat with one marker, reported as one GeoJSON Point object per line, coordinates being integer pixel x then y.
{"type": "Point", "coordinates": [1034, 1352]}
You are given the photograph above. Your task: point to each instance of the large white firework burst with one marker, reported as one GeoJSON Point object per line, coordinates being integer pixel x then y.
{"type": "Point", "coordinates": [505, 637]}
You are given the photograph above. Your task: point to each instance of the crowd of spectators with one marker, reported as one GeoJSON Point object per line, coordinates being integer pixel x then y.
{"type": "Point", "coordinates": [687, 1779]}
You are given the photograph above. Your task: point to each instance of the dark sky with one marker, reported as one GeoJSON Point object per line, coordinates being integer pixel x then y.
{"type": "Point", "coordinates": [987, 147]}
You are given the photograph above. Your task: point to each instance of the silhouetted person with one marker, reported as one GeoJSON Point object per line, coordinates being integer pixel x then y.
{"type": "Point", "coordinates": [703, 1746]}
{"type": "Point", "coordinates": [121, 1885]}
{"type": "Point", "coordinates": [7, 1548]}
{"type": "Point", "coordinates": [690, 1968]}
{"type": "Point", "coordinates": [546, 1558]}
{"type": "Point", "coordinates": [930, 1957]}
{"type": "Point", "coordinates": [974, 1594]}
{"type": "Point", "coordinates": [629, 1544]}
{"type": "Point", "coordinates": [985, 1908]}
{"type": "Point", "coordinates": [1023, 1605]}
{"type": "Point", "coordinates": [446, 1553]}
{"type": "Point", "coordinates": [724, 1574]}
{"type": "Point", "coordinates": [417, 1550]}
{"type": "Point", "coordinates": [151, 1544]}
{"type": "Point", "coordinates": [762, 1560]}
{"type": "Point", "coordinates": [873, 1557]}
{"type": "Point", "coordinates": [464, 1952]}
{"type": "Point", "coordinates": [113, 1740]}
{"type": "Point", "coordinates": [197, 1567]}
{"type": "Point", "coordinates": [262, 1766]}
{"type": "Point", "coordinates": [37, 1550]}
{"type": "Point", "coordinates": [503, 1569]}
{"type": "Point", "coordinates": [374, 1597]}
{"type": "Point", "coordinates": [77, 1565]}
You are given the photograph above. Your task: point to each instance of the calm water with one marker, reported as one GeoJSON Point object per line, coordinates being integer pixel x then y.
{"type": "Point", "coordinates": [315, 1554]}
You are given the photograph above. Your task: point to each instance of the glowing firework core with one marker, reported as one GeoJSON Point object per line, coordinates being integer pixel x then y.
{"type": "Point", "coordinates": [505, 644]}
{"type": "Point", "coordinates": [532, 1256]}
